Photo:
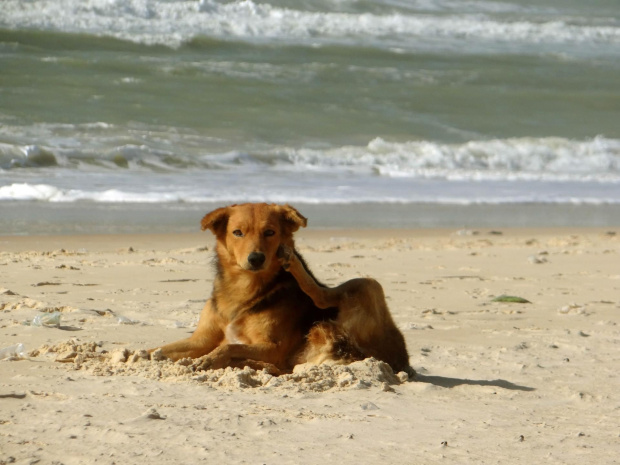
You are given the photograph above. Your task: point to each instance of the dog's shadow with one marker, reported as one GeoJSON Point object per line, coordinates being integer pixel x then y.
{"type": "Point", "coordinates": [454, 382]}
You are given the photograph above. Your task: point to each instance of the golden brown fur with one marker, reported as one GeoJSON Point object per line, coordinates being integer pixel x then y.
{"type": "Point", "coordinates": [268, 311]}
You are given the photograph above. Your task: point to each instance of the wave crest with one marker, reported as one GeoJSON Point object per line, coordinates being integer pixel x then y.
{"type": "Point", "coordinates": [501, 158]}
{"type": "Point", "coordinates": [175, 23]}
{"type": "Point", "coordinates": [560, 159]}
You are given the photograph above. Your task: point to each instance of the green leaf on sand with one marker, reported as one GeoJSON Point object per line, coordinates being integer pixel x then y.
{"type": "Point", "coordinates": [511, 299]}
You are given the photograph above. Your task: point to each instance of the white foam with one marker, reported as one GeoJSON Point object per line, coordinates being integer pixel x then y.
{"type": "Point", "coordinates": [50, 193]}
{"type": "Point", "coordinates": [24, 191]}
{"type": "Point", "coordinates": [324, 193]}
{"type": "Point", "coordinates": [548, 159]}
{"type": "Point", "coordinates": [173, 23]}
{"type": "Point", "coordinates": [538, 170]}
{"type": "Point", "coordinates": [102, 149]}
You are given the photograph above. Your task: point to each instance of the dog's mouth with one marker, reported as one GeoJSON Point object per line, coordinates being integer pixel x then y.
{"type": "Point", "coordinates": [252, 268]}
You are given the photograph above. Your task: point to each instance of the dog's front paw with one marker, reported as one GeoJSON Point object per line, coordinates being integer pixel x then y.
{"type": "Point", "coordinates": [203, 363]}
{"type": "Point", "coordinates": [219, 358]}
{"type": "Point", "coordinates": [284, 255]}
{"type": "Point", "coordinates": [157, 354]}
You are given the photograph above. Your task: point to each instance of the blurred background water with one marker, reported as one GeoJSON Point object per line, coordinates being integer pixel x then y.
{"type": "Point", "coordinates": [363, 112]}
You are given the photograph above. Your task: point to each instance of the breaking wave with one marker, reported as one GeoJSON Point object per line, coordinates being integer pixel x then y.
{"type": "Point", "coordinates": [549, 159]}
{"type": "Point", "coordinates": [387, 25]}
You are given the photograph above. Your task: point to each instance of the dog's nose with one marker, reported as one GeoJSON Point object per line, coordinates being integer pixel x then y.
{"type": "Point", "coordinates": [256, 260]}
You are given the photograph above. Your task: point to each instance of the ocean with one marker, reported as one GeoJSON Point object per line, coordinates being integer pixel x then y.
{"type": "Point", "coordinates": [141, 115]}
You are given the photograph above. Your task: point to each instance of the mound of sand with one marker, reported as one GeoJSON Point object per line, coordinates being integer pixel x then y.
{"type": "Point", "coordinates": [89, 357]}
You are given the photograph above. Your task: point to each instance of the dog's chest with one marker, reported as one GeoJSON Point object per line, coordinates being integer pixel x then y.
{"type": "Point", "coordinates": [234, 335]}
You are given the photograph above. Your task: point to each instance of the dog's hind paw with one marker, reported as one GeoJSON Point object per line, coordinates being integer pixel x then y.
{"type": "Point", "coordinates": [284, 254]}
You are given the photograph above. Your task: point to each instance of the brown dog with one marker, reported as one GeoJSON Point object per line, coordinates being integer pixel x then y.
{"type": "Point", "coordinates": [268, 311]}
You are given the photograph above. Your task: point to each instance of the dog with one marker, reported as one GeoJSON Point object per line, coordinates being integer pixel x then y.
{"type": "Point", "coordinates": [268, 311]}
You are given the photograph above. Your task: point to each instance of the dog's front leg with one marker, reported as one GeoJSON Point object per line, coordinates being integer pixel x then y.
{"type": "Point", "coordinates": [225, 355]}
{"type": "Point", "coordinates": [207, 336]}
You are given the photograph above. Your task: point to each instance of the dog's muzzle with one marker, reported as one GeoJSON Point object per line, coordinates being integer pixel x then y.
{"type": "Point", "coordinates": [256, 260]}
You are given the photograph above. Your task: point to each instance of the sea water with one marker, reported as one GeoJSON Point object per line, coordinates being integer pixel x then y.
{"type": "Point", "coordinates": [120, 110]}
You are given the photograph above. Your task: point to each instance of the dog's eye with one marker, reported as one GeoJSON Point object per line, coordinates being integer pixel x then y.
{"type": "Point", "coordinates": [269, 233]}
{"type": "Point", "coordinates": [238, 233]}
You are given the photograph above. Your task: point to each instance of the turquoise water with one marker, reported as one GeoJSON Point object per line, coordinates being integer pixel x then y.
{"type": "Point", "coordinates": [310, 102]}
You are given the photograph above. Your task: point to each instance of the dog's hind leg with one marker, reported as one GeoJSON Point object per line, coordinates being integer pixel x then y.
{"type": "Point", "coordinates": [323, 297]}
{"type": "Point", "coordinates": [361, 297]}
{"type": "Point", "coordinates": [363, 313]}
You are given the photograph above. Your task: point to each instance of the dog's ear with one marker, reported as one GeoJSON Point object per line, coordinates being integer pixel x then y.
{"type": "Point", "coordinates": [216, 221]}
{"type": "Point", "coordinates": [292, 219]}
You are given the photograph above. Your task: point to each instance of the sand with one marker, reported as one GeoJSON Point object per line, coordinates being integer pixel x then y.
{"type": "Point", "coordinates": [498, 382]}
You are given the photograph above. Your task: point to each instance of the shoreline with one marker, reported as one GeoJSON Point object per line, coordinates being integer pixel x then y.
{"type": "Point", "coordinates": [34, 218]}
{"type": "Point", "coordinates": [115, 242]}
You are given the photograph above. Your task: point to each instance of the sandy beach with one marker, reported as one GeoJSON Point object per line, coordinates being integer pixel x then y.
{"type": "Point", "coordinates": [498, 382]}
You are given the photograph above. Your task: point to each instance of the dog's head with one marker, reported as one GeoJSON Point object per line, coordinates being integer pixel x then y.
{"type": "Point", "coordinates": [249, 235]}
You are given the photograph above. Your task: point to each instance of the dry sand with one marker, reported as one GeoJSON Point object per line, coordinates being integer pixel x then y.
{"type": "Point", "coordinates": [497, 382]}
